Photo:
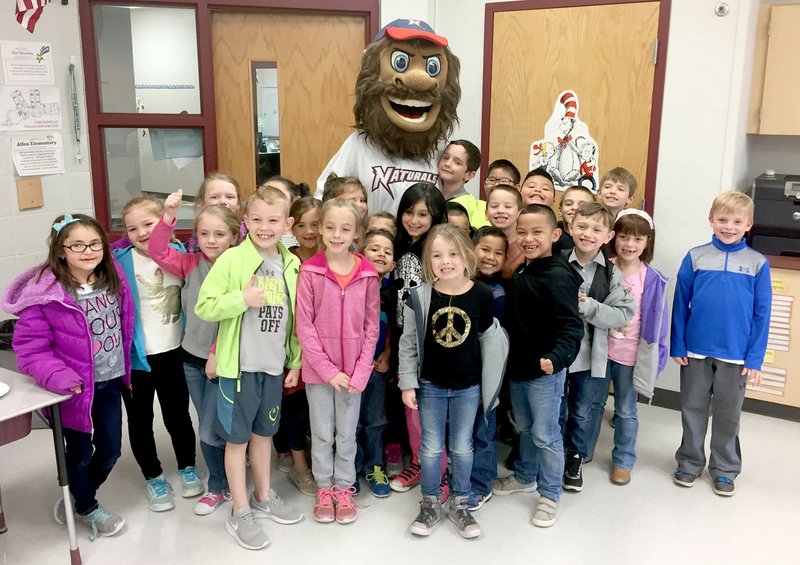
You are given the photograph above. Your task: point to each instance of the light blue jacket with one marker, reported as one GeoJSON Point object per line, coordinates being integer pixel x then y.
{"type": "Point", "coordinates": [138, 353]}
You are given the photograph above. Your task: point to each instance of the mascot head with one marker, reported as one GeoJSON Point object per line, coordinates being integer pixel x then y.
{"type": "Point", "coordinates": [407, 90]}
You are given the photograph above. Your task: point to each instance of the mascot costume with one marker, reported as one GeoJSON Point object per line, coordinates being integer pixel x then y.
{"type": "Point", "coordinates": [407, 93]}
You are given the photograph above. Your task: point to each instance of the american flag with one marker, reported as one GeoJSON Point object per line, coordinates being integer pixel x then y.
{"type": "Point", "coordinates": [29, 11]}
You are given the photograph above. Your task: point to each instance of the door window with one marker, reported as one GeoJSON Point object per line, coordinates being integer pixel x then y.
{"type": "Point", "coordinates": [267, 122]}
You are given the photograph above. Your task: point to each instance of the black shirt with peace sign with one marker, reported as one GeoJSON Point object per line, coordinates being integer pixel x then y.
{"type": "Point", "coordinates": [452, 351]}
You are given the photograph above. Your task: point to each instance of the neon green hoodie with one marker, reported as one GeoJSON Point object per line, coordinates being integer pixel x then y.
{"type": "Point", "coordinates": [220, 300]}
{"type": "Point", "coordinates": [476, 209]}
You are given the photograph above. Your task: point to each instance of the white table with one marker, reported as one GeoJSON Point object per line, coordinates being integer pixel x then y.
{"type": "Point", "coordinates": [26, 397]}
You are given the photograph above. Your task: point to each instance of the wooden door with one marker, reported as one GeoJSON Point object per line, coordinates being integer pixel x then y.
{"type": "Point", "coordinates": [604, 53]}
{"type": "Point", "coordinates": [318, 57]}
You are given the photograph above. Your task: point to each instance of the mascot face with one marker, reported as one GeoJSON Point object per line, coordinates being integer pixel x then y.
{"type": "Point", "coordinates": [407, 91]}
{"type": "Point", "coordinates": [413, 74]}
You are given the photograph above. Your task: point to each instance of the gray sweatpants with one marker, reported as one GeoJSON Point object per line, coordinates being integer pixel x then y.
{"type": "Point", "coordinates": [333, 416]}
{"type": "Point", "coordinates": [711, 383]}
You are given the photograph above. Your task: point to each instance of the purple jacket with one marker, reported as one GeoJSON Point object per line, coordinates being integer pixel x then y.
{"type": "Point", "coordinates": [53, 343]}
{"type": "Point", "coordinates": [651, 355]}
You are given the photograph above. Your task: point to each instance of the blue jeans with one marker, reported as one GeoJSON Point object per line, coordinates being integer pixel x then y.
{"type": "Point", "coordinates": [203, 392]}
{"type": "Point", "coordinates": [626, 419]}
{"type": "Point", "coordinates": [584, 400]}
{"type": "Point", "coordinates": [536, 406]}
{"type": "Point", "coordinates": [438, 408]}
{"type": "Point", "coordinates": [484, 459]}
{"type": "Point", "coordinates": [91, 456]}
{"type": "Point", "coordinates": [371, 423]}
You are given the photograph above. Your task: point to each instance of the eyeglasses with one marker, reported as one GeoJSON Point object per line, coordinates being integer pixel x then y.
{"type": "Point", "coordinates": [491, 181]}
{"type": "Point", "coordinates": [81, 247]}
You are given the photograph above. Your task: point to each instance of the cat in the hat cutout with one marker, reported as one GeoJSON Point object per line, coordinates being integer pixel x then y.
{"type": "Point", "coordinates": [567, 151]}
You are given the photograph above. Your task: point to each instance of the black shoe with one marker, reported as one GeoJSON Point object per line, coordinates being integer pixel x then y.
{"type": "Point", "coordinates": [512, 458]}
{"type": "Point", "coordinates": [573, 473]}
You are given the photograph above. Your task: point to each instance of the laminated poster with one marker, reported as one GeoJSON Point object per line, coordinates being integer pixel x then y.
{"type": "Point", "coordinates": [30, 108]}
{"type": "Point", "coordinates": [27, 62]}
{"type": "Point", "coordinates": [38, 154]}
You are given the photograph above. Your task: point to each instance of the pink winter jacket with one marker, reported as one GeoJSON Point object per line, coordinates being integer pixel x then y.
{"type": "Point", "coordinates": [338, 329]}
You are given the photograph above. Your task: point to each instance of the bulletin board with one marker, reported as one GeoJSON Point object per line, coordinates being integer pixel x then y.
{"type": "Point", "coordinates": [780, 382]}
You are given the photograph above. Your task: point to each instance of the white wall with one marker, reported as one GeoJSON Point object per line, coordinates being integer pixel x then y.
{"type": "Point", "coordinates": [412, 9]}
{"type": "Point", "coordinates": [703, 130]}
{"type": "Point", "coordinates": [23, 233]}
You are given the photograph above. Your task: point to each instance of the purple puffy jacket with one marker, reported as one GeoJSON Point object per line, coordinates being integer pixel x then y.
{"type": "Point", "coordinates": [53, 343]}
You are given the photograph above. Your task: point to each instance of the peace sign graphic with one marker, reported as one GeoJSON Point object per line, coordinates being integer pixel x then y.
{"type": "Point", "coordinates": [448, 336]}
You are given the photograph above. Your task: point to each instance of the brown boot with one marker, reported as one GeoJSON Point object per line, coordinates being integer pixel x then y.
{"type": "Point", "coordinates": [620, 477]}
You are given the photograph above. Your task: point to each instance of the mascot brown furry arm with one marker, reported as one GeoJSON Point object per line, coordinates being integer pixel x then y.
{"type": "Point", "coordinates": [407, 93]}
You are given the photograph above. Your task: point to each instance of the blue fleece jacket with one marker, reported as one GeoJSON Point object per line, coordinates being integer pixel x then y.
{"type": "Point", "coordinates": [722, 304]}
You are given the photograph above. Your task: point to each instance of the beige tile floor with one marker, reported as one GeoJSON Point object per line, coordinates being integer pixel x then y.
{"type": "Point", "coordinates": [648, 521]}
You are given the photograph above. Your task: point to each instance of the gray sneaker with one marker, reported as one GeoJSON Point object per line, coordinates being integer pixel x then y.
{"type": "Point", "coordinates": [159, 494]}
{"type": "Point", "coordinates": [245, 530]}
{"type": "Point", "coordinates": [191, 484]}
{"type": "Point", "coordinates": [510, 485]}
{"type": "Point", "coordinates": [724, 486]}
{"type": "Point", "coordinates": [430, 512]}
{"type": "Point", "coordinates": [102, 522]}
{"type": "Point", "coordinates": [545, 514]}
{"type": "Point", "coordinates": [683, 479]}
{"type": "Point", "coordinates": [275, 509]}
{"type": "Point", "coordinates": [460, 515]}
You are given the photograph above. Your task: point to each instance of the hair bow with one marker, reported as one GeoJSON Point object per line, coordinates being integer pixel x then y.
{"type": "Point", "coordinates": [68, 219]}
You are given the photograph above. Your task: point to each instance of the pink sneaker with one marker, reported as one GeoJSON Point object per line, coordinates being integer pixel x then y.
{"type": "Point", "coordinates": [345, 508]}
{"type": "Point", "coordinates": [394, 460]}
{"type": "Point", "coordinates": [408, 479]}
{"type": "Point", "coordinates": [209, 502]}
{"type": "Point", "coordinates": [323, 506]}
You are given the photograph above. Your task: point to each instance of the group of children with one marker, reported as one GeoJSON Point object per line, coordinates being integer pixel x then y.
{"type": "Point", "coordinates": [295, 318]}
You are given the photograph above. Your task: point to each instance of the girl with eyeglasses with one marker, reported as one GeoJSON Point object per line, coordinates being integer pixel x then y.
{"type": "Point", "coordinates": [73, 336]}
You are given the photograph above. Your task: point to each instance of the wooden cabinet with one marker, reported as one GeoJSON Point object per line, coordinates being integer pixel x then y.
{"type": "Point", "coordinates": [776, 84]}
{"type": "Point", "coordinates": [780, 374]}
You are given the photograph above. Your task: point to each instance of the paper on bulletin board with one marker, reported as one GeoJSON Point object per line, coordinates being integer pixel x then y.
{"type": "Point", "coordinates": [30, 108]}
{"type": "Point", "coordinates": [27, 62]}
{"type": "Point", "coordinates": [36, 155]}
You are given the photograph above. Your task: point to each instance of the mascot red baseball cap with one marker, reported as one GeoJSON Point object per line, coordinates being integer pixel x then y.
{"type": "Point", "coordinates": [410, 29]}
